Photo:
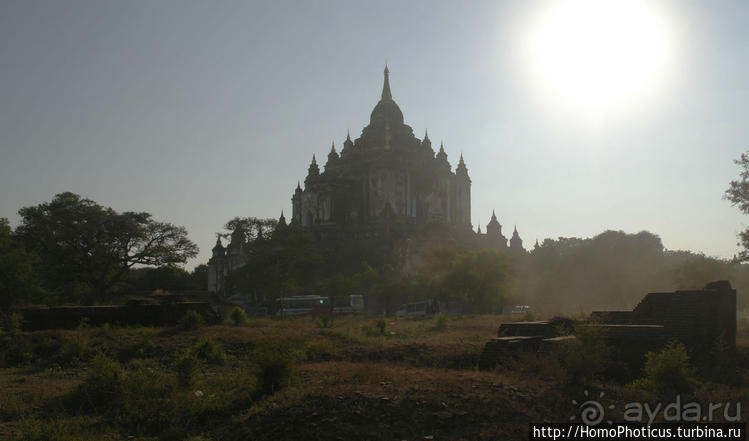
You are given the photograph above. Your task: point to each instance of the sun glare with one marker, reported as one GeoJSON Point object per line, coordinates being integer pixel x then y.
{"type": "Point", "coordinates": [598, 56]}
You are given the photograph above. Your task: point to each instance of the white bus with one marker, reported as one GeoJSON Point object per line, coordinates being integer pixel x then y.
{"type": "Point", "coordinates": [318, 305]}
{"type": "Point", "coordinates": [302, 305]}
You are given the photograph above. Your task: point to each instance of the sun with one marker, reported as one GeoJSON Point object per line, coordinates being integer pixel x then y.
{"type": "Point", "coordinates": [599, 55]}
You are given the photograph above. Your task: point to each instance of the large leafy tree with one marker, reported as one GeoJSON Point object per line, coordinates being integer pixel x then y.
{"type": "Point", "coordinates": [86, 249]}
{"type": "Point", "coordinates": [738, 194]}
{"type": "Point", "coordinates": [479, 279]}
{"type": "Point", "coordinates": [19, 280]}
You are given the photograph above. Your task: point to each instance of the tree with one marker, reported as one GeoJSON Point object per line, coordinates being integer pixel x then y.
{"type": "Point", "coordinates": [738, 194]}
{"type": "Point", "coordinates": [86, 249]}
{"type": "Point", "coordinates": [19, 280]}
{"type": "Point", "coordinates": [479, 278]}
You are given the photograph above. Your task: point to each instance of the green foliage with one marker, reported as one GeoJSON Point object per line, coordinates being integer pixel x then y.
{"type": "Point", "coordinates": [86, 249]}
{"type": "Point", "coordinates": [528, 316]}
{"type": "Point", "coordinates": [75, 349]}
{"type": "Point", "coordinates": [318, 349]}
{"type": "Point", "coordinates": [668, 372]}
{"type": "Point", "coordinates": [279, 260]}
{"type": "Point", "coordinates": [103, 385]}
{"type": "Point", "coordinates": [238, 317]}
{"type": "Point", "coordinates": [55, 429]}
{"type": "Point", "coordinates": [376, 329]}
{"type": "Point", "coordinates": [381, 325]}
{"type": "Point", "coordinates": [440, 322]}
{"type": "Point", "coordinates": [587, 356]}
{"type": "Point", "coordinates": [209, 351]}
{"type": "Point", "coordinates": [143, 349]}
{"type": "Point", "coordinates": [144, 399]}
{"type": "Point", "coordinates": [324, 322]}
{"type": "Point", "coordinates": [275, 364]}
{"type": "Point", "coordinates": [187, 366]}
{"type": "Point", "coordinates": [166, 277]}
{"type": "Point", "coordinates": [479, 279]}
{"type": "Point", "coordinates": [199, 438]}
{"type": "Point", "coordinates": [12, 324]}
{"type": "Point", "coordinates": [738, 194]}
{"type": "Point", "coordinates": [20, 279]}
{"type": "Point", "coordinates": [191, 321]}
{"type": "Point", "coordinates": [16, 351]}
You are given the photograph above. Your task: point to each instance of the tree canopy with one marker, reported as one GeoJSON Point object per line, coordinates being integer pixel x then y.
{"type": "Point", "coordinates": [479, 279]}
{"type": "Point", "coordinates": [19, 280]}
{"type": "Point", "coordinates": [85, 249]}
{"type": "Point", "coordinates": [738, 194]}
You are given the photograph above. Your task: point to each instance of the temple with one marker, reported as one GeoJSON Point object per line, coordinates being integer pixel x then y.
{"type": "Point", "coordinates": [389, 184]}
{"type": "Point", "coordinates": [385, 174]}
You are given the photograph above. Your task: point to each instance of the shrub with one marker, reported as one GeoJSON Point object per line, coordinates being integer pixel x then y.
{"type": "Point", "coordinates": [145, 348]}
{"type": "Point", "coordinates": [317, 350]}
{"type": "Point", "coordinates": [148, 400]}
{"type": "Point", "coordinates": [191, 320]}
{"type": "Point", "coordinates": [275, 367]}
{"type": "Point", "coordinates": [528, 316]}
{"type": "Point", "coordinates": [381, 325]}
{"type": "Point", "coordinates": [12, 324]}
{"type": "Point", "coordinates": [238, 317]}
{"type": "Point", "coordinates": [324, 322]}
{"type": "Point", "coordinates": [74, 349]}
{"type": "Point", "coordinates": [188, 367]}
{"type": "Point", "coordinates": [104, 384]}
{"type": "Point", "coordinates": [586, 356]}
{"type": "Point", "coordinates": [210, 351]}
{"type": "Point", "coordinates": [668, 371]}
{"type": "Point", "coordinates": [440, 322]}
{"type": "Point", "coordinates": [377, 329]}
{"type": "Point", "coordinates": [33, 429]}
{"type": "Point", "coordinates": [16, 351]}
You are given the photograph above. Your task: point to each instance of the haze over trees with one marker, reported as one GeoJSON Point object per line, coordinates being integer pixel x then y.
{"type": "Point", "coordinates": [75, 250]}
{"type": "Point", "coordinates": [612, 270]}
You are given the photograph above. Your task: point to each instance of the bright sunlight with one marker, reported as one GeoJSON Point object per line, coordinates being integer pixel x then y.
{"type": "Point", "coordinates": [599, 56]}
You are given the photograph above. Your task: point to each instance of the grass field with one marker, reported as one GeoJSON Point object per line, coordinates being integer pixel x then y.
{"type": "Point", "coordinates": [352, 379]}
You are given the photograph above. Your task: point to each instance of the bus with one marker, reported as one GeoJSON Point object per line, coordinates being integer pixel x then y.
{"type": "Point", "coordinates": [319, 305]}
{"type": "Point", "coordinates": [426, 307]}
{"type": "Point", "coordinates": [302, 305]}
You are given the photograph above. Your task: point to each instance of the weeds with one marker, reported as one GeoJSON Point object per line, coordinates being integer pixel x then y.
{"type": "Point", "coordinates": [210, 351]}
{"type": "Point", "coordinates": [440, 322]}
{"type": "Point", "coordinates": [103, 385]}
{"type": "Point", "coordinates": [588, 355]}
{"type": "Point", "coordinates": [377, 329]}
{"type": "Point", "coordinates": [324, 322]}
{"type": "Point", "coordinates": [275, 366]}
{"type": "Point", "coordinates": [668, 372]}
{"type": "Point", "coordinates": [34, 429]}
{"type": "Point", "coordinates": [188, 367]}
{"type": "Point", "coordinates": [238, 317]}
{"type": "Point", "coordinates": [191, 321]}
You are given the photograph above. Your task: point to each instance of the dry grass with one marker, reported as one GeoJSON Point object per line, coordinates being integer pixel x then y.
{"type": "Point", "coordinates": [416, 380]}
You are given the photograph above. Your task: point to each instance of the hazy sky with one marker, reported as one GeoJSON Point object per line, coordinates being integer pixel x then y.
{"type": "Point", "coordinates": [200, 111]}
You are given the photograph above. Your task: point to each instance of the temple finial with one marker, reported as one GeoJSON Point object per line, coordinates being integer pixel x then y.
{"type": "Point", "coordinates": [386, 95]}
{"type": "Point", "coordinates": [314, 161]}
{"type": "Point", "coordinates": [332, 147]}
{"type": "Point", "coordinates": [348, 135]}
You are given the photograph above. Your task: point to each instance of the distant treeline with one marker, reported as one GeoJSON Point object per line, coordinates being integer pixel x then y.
{"type": "Point", "coordinates": [613, 271]}
{"type": "Point", "coordinates": [74, 251]}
